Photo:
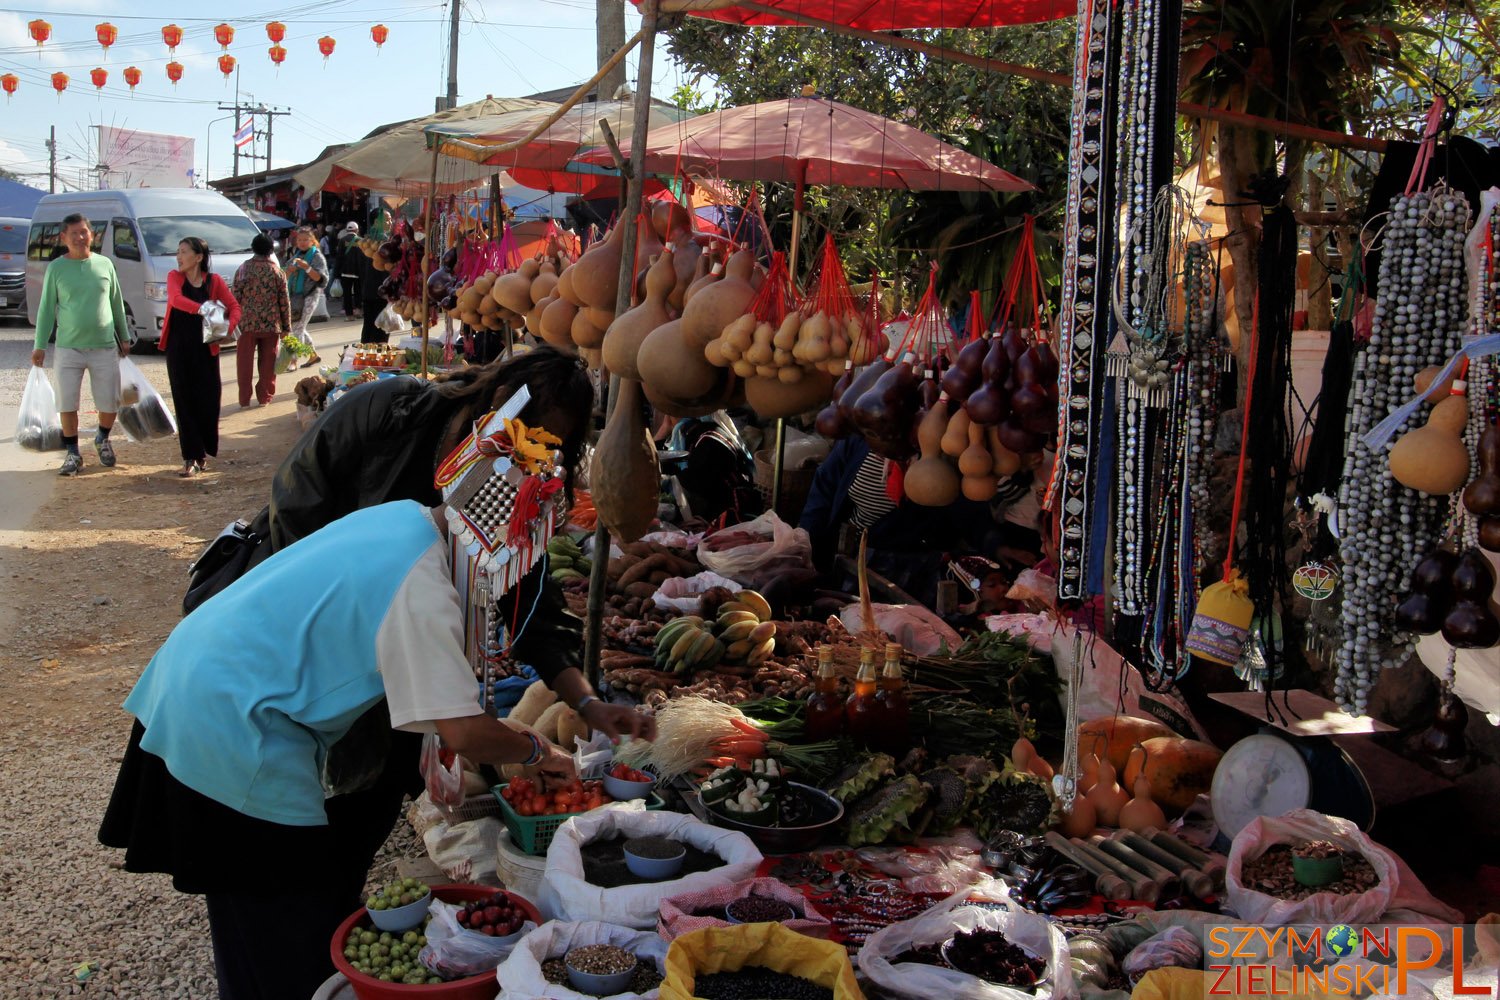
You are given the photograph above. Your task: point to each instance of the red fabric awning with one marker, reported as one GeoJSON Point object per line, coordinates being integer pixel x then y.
{"type": "Point", "coordinates": [884, 15]}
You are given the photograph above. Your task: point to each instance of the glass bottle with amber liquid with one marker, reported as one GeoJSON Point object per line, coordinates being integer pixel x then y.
{"type": "Point", "coordinates": [860, 710]}
{"type": "Point", "coordinates": [892, 728]}
{"type": "Point", "coordinates": [825, 709]}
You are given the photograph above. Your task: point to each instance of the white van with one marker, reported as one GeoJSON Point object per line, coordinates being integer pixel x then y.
{"type": "Point", "coordinates": [138, 230]}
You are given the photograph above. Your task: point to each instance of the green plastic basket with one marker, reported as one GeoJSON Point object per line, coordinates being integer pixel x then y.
{"type": "Point", "coordinates": [533, 834]}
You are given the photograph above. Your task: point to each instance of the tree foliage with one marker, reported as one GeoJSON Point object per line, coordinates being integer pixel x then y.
{"type": "Point", "coordinates": [1018, 124]}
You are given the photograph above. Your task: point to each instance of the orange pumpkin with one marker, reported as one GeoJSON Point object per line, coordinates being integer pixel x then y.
{"type": "Point", "coordinates": [1113, 736]}
{"type": "Point", "coordinates": [1178, 770]}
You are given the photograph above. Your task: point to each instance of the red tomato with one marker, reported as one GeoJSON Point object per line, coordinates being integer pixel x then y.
{"type": "Point", "coordinates": [538, 804]}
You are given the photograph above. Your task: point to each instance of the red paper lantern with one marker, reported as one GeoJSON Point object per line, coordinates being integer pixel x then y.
{"type": "Point", "coordinates": [100, 76]}
{"type": "Point", "coordinates": [224, 35]}
{"type": "Point", "coordinates": [379, 33]}
{"type": "Point", "coordinates": [107, 34]}
{"type": "Point", "coordinates": [59, 83]}
{"type": "Point", "coordinates": [132, 75]}
{"type": "Point", "coordinates": [226, 66]}
{"type": "Point", "coordinates": [172, 35]}
{"type": "Point", "coordinates": [278, 55]}
{"type": "Point", "coordinates": [40, 31]}
{"type": "Point", "coordinates": [325, 46]}
{"type": "Point", "coordinates": [174, 72]}
{"type": "Point", "coordinates": [9, 82]}
{"type": "Point", "coordinates": [276, 31]}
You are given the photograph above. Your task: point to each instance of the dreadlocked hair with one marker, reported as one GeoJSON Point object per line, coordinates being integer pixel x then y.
{"type": "Point", "coordinates": [557, 382]}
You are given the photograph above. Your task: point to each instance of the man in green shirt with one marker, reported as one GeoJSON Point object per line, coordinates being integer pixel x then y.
{"type": "Point", "coordinates": [81, 296]}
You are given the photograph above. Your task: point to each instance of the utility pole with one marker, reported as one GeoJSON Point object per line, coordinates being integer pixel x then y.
{"type": "Point", "coordinates": [451, 99]}
{"type": "Point", "coordinates": [253, 110]}
{"type": "Point", "coordinates": [610, 38]}
{"type": "Point", "coordinates": [52, 162]}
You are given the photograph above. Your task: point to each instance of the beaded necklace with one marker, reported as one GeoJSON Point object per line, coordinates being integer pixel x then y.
{"type": "Point", "coordinates": [1386, 527]}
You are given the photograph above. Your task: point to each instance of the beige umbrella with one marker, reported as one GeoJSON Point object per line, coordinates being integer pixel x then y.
{"type": "Point", "coordinates": [397, 161]}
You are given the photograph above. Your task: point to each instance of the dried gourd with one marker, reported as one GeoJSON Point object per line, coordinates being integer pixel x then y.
{"type": "Point", "coordinates": [625, 474]}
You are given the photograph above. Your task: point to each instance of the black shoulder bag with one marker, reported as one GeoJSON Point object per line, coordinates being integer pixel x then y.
{"type": "Point", "coordinates": [240, 546]}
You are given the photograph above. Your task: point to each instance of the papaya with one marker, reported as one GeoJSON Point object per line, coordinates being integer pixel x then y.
{"type": "Point", "coordinates": [1177, 770]}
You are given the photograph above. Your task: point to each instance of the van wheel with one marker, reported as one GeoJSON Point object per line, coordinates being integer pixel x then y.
{"type": "Point", "coordinates": [140, 346]}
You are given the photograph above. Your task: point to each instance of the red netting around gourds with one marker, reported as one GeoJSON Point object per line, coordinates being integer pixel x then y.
{"type": "Point", "coordinates": [1023, 279]}
{"type": "Point", "coordinates": [829, 292]}
{"type": "Point", "coordinates": [928, 336]}
{"type": "Point", "coordinates": [777, 296]}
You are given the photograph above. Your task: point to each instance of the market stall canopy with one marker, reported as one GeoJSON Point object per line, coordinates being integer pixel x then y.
{"type": "Point", "coordinates": [889, 15]}
{"type": "Point", "coordinates": [398, 161]}
{"type": "Point", "coordinates": [18, 200]}
{"type": "Point", "coordinates": [544, 161]}
{"type": "Point", "coordinates": [811, 141]}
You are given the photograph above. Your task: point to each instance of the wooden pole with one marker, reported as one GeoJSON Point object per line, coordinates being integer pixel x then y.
{"type": "Point", "coordinates": [634, 174]}
{"type": "Point", "coordinates": [1285, 129]}
{"type": "Point", "coordinates": [422, 261]}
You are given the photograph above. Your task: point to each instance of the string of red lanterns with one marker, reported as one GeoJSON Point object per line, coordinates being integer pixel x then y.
{"type": "Point", "coordinates": [172, 35]}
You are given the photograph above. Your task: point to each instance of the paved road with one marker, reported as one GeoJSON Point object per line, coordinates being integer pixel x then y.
{"type": "Point", "coordinates": [15, 359]}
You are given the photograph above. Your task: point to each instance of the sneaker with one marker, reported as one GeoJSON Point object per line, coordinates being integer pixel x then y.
{"type": "Point", "coordinates": [106, 452]}
{"type": "Point", "coordinates": [72, 464]}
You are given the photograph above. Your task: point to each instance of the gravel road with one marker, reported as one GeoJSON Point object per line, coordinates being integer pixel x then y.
{"type": "Point", "coordinates": [93, 570]}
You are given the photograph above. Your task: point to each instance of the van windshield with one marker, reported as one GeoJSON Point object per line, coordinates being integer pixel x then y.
{"type": "Point", "coordinates": [12, 239]}
{"type": "Point", "coordinates": [222, 233]}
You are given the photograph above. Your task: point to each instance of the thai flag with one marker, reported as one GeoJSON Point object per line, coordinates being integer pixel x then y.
{"type": "Point", "coordinates": [245, 134]}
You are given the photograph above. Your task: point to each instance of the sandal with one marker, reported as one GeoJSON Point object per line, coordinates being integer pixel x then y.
{"type": "Point", "coordinates": [188, 471]}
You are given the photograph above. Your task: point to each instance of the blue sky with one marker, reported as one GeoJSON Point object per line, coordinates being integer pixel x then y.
{"type": "Point", "coordinates": [507, 48]}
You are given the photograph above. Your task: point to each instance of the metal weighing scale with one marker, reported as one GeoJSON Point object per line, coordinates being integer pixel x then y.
{"type": "Point", "coordinates": [1292, 765]}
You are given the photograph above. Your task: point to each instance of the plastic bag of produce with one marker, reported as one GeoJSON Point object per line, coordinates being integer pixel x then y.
{"type": "Point", "coordinates": [567, 894]}
{"type": "Point", "coordinates": [727, 949]}
{"type": "Point", "coordinates": [1174, 946]}
{"type": "Point", "coordinates": [38, 426]}
{"type": "Point", "coordinates": [1398, 887]}
{"type": "Point", "coordinates": [144, 414]}
{"type": "Point", "coordinates": [445, 779]}
{"type": "Point", "coordinates": [680, 914]}
{"type": "Point", "coordinates": [756, 552]}
{"type": "Point", "coordinates": [681, 593]}
{"type": "Point", "coordinates": [454, 951]}
{"type": "Point", "coordinates": [1029, 932]}
{"type": "Point", "coordinates": [521, 974]}
{"type": "Point", "coordinates": [390, 321]}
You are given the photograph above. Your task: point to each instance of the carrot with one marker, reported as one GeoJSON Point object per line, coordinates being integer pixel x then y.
{"type": "Point", "coordinates": [746, 727]}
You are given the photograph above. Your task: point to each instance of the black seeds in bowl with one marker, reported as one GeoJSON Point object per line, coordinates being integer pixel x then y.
{"type": "Point", "coordinates": [756, 982]}
{"type": "Point", "coordinates": [654, 848]}
{"type": "Point", "coordinates": [760, 910]}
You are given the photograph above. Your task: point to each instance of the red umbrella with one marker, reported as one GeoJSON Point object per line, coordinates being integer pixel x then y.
{"type": "Point", "coordinates": [808, 140]}
{"type": "Point", "coordinates": [888, 15]}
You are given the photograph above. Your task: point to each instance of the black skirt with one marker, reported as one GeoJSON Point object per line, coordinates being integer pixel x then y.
{"type": "Point", "coordinates": [207, 847]}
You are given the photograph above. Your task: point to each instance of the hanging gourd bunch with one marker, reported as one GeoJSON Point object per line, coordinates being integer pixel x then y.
{"type": "Point", "coordinates": [1482, 496]}
{"type": "Point", "coordinates": [1450, 592]}
{"type": "Point", "coordinates": [550, 317]}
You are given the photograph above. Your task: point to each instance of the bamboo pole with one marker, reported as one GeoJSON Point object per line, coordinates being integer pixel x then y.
{"type": "Point", "coordinates": [609, 384]}
{"type": "Point", "coordinates": [1288, 130]}
{"type": "Point", "coordinates": [422, 261]}
{"type": "Point", "coordinates": [449, 143]}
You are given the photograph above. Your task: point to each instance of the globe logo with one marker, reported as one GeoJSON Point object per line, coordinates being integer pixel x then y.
{"type": "Point", "coordinates": [1340, 940]}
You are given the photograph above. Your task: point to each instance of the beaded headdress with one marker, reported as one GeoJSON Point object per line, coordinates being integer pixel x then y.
{"type": "Point", "coordinates": [500, 491]}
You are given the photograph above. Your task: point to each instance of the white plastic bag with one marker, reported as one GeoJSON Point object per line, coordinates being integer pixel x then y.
{"type": "Point", "coordinates": [1175, 946]}
{"type": "Point", "coordinates": [445, 782]}
{"type": "Point", "coordinates": [756, 552]}
{"type": "Point", "coordinates": [148, 416]}
{"type": "Point", "coordinates": [1323, 908]}
{"type": "Point", "coordinates": [454, 951]}
{"type": "Point", "coordinates": [681, 593]}
{"type": "Point", "coordinates": [912, 625]}
{"type": "Point", "coordinates": [38, 426]}
{"type": "Point", "coordinates": [567, 895]}
{"type": "Point", "coordinates": [1028, 931]}
{"type": "Point", "coordinates": [390, 321]}
{"type": "Point", "coordinates": [521, 975]}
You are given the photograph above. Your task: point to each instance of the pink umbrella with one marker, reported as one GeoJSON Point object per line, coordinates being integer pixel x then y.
{"type": "Point", "coordinates": [808, 140]}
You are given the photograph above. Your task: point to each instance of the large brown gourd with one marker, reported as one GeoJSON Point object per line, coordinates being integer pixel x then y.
{"type": "Point", "coordinates": [1178, 770]}
{"type": "Point", "coordinates": [1432, 458]}
{"type": "Point", "coordinates": [772, 398]}
{"type": "Point", "coordinates": [623, 340]}
{"type": "Point", "coordinates": [557, 323]}
{"type": "Point", "coordinates": [714, 306]}
{"type": "Point", "coordinates": [595, 277]}
{"type": "Point", "coordinates": [624, 477]}
{"type": "Point", "coordinates": [671, 369]}
{"type": "Point", "coordinates": [931, 481]}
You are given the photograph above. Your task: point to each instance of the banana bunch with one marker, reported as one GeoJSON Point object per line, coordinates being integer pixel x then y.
{"type": "Point", "coordinates": [686, 644]}
{"type": "Point", "coordinates": [745, 628]}
{"type": "Point", "coordinates": [742, 634]}
{"type": "Point", "coordinates": [565, 560]}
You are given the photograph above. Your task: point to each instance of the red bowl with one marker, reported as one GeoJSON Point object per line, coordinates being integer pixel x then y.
{"type": "Point", "coordinates": [480, 987]}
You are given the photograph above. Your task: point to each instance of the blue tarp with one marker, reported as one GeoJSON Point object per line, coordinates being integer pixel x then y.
{"type": "Point", "coordinates": [18, 200]}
